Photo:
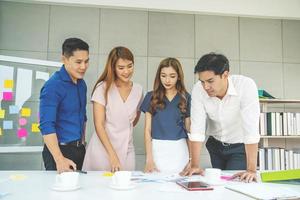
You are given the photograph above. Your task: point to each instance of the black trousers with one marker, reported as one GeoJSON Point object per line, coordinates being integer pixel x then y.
{"type": "Point", "coordinates": [226, 156]}
{"type": "Point", "coordinates": [72, 152]}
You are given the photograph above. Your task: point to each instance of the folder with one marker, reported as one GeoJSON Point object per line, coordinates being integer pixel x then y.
{"type": "Point", "coordinates": [282, 175]}
{"type": "Point", "coordinates": [264, 94]}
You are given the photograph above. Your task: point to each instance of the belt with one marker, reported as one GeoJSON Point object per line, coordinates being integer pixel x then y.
{"type": "Point", "coordinates": [76, 143]}
{"type": "Point", "coordinates": [225, 144]}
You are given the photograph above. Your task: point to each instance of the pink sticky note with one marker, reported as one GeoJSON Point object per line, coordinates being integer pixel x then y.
{"type": "Point", "coordinates": [7, 96]}
{"type": "Point", "coordinates": [22, 132]}
{"type": "Point", "coordinates": [227, 178]}
{"type": "Point", "coordinates": [22, 121]}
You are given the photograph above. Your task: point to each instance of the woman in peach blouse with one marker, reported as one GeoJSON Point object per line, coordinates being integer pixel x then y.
{"type": "Point", "coordinates": [116, 100]}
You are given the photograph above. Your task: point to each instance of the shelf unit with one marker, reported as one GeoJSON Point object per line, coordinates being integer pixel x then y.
{"type": "Point", "coordinates": [264, 103]}
{"type": "Point", "coordinates": [275, 152]}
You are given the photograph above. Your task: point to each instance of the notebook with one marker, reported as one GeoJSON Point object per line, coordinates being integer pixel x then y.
{"type": "Point", "coordinates": [265, 191]}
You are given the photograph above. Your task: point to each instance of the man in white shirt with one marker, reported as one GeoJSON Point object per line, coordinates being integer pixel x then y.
{"type": "Point", "coordinates": [226, 108]}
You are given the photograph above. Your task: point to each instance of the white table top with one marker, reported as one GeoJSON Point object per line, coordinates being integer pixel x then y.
{"type": "Point", "coordinates": [37, 185]}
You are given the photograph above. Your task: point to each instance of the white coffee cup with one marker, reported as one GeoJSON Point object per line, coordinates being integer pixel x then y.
{"type": "Point", "coordinates": [212, 174]}
{"type": "Point", "coordinates": [121, 178]}
{"type": "Point", "coordinates": [67, 179]}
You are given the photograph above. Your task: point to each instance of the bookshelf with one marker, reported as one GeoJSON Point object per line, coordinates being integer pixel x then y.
{"type": "Point", "coordinates": [279, 127]}
{"type": "Point", "coordinates": [264, 103]}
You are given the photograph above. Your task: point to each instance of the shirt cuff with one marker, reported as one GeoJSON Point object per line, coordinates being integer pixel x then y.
{"type": "Point", "coordinates": [252, 139]}
{"type": "Point", "coordinates": [47, 130]}
{"type": "Point", "coordinates": [196, 137]}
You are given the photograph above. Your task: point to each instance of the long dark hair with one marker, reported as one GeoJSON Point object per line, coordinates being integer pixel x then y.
{"type": "Point", "coordinates": [157, 100]}
{"type": "Point", "coordinates": [109, 73]}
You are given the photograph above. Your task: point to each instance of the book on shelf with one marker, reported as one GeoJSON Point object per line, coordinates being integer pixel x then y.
{"type": "Point", "coordinates": [273, 158]}
{"type": "Point", "coordinates": [279, 124]}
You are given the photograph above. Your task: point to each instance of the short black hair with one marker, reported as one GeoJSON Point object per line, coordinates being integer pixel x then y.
{"type": "Point", "coordinates": [217, 63]}
{"type": "Point", "coordinates": [73, 44]}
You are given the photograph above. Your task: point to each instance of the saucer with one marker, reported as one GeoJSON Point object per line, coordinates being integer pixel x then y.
{"type": "Point", "coordinates": [127, 187]}
{"type": "Point", "coordinates": [64, 189]}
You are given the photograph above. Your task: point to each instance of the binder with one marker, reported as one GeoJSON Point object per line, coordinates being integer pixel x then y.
{"type": "Point", "coordinates": [283, 175]}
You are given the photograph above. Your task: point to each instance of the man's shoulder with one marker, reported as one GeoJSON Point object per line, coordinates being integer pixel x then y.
{"type": "Point", "coordinates": [54, 80]}
{"type": "Point", "coordinates": [241, 80]}
{"type": "Point", "coordinates": [54, 84]}
{"type": "Point", "coordinates": [197, 88]}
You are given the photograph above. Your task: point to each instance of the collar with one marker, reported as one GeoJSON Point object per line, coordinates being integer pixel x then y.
{"type": "Point", "coordinates": [65, 76]}
{"type": "Point", "coordinates": [230, 91]}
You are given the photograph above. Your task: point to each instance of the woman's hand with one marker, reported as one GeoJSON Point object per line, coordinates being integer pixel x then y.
{"type": "Point", "coordinates": [115, 163]}
{"type": "Point", "coordinates": [150, 167]}
{"type": "Point", "coordinates": [186, 168]}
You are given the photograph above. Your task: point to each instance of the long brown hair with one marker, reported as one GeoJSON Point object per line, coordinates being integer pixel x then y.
{"type": "Point", "coordinates": [109, 73]}
{"type": "Point", "coordinates": [157, 100]}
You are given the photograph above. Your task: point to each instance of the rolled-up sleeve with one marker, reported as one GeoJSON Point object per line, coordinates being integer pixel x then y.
{"type": "Point", "coordinates": [250, 112]}
{"type": "Point", "coordinates": [49, 101]}
{"type": "Point", "coordinates": [198, 116]}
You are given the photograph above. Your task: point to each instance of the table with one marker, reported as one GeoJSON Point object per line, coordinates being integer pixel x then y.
{"type": "Point", "coordinates": [37, 185]}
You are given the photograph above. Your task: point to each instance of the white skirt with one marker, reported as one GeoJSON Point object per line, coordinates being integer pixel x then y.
{"type": "Point", "coordinates": [170, 155]}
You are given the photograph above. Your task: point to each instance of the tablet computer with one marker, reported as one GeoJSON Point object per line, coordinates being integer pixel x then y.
{"type": "Point", "coordinates": [194, 185]}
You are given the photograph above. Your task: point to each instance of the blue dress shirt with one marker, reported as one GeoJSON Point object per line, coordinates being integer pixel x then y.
{"type": "Point", "coordinates": [63, 107]}
{"type": "Point", "coordinates": [168, 123]}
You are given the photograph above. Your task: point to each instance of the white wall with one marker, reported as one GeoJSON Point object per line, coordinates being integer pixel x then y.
{"type": "Point", "coordinates": [277, 9]}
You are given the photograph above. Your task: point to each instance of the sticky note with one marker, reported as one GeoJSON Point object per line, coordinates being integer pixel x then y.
{"type": "Point", "coordinates": [107, 174]}
{"type": "Point", "coordinates": [22, 132]}
{"type": "Point", "coordinates": [8, 83]}
{"type": "Point", "coordinates": [17, 177]}
{"type": "Point", "coordinates": [22, 121]}
{"type": "Point", "coordinates": [7, 124]}
{"type": "Point", "coordinates": [7, 96]}
{"type": "Point", "coordinates": [13, 109]}
{"type": "Point", "coordinates": [35, 128]}
{"type": "Point", "coordinates": [2, 114]}
{"type": "Point", "coordinates": [0, 131]}
{"type": "Point", "coordinates": [25, 112]}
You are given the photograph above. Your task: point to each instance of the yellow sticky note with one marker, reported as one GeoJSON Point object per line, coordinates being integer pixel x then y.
{"type": "Point", "coordinates": [107, 174]}
{"type": "Point", "coordinates": [8, 83]}
{"type": "Point", "coordinates": [35, 128]}
{"type": "Point", "coordinates": [0, 131]}
{"type": "Point", "coordinates": [25, 112]}
{"type": "Point", "coordinates": [17, 177]}
{"type": "Point", "coordinates": [2, 114]}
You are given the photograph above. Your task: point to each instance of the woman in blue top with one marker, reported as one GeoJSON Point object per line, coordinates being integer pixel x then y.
{"type": "Point", "coordinates": [167, 120]}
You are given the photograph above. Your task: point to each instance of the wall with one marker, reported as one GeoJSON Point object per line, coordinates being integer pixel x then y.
{"type": "Point", "coordinates": [267, 50]}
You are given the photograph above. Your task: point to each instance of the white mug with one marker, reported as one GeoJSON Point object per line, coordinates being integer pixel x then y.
{"type": "Point", "coordinates": [121, 178]}
{"type": "Point", "coordinates": [212, 174]}
{"type": "Point", "coordinates": [67, 179]}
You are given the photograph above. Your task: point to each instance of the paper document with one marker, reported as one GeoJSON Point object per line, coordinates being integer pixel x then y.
{"type": "Point", "coordinates": [264, 191]}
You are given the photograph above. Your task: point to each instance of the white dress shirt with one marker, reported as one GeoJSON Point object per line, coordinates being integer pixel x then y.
{"type": "Point", "coordinates": [232, 119]}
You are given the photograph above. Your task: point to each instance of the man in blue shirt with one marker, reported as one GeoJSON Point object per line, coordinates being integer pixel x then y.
{"type": "Point", "coordinates": [63, 110]}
